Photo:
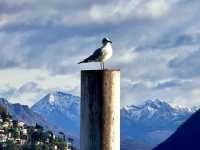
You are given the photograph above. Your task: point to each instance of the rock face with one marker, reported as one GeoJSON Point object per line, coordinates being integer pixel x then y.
{"type": "Point", "coordinates": [60, 109]}
{"type": "Point", "coordinates": [186, 136]}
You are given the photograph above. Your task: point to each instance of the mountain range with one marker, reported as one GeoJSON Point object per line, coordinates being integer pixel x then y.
{"type": "Point", "coordinates": [142, 126]}
{"type": "Point", "coordinates": [153, 121]}
{"type": "Point", "coordinates": [150, 123]}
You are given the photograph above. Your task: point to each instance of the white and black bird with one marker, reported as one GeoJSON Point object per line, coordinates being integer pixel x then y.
{"type": "Point", "coordinates": [101, 54]}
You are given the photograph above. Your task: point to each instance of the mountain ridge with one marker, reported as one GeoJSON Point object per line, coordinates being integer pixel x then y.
{"type": "Point", "coordinates": [152, 121]}
{"type": "Point", "coordinates": [24, 113]}
{"type": "Point", "coordinates": [186, 136]}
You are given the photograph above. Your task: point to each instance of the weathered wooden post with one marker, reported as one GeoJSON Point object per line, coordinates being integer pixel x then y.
{"type": "Point", "coordinates": [100, 110]}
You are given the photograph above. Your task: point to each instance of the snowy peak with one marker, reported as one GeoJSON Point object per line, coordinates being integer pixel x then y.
{"type": "Point", "coordinates": [152, 109]}
{"type": "Point", "coordinates": [51, 99]}
{"type": "Point", "coordinates": [157, 104]}
{"type": "Point", "coordinates": [57, 99]}
{"type": "Point", "coordinates": [150, 105]}
{"type": "Point", "coordinates": [60, 103]}
{"type": "Point", "coordinates": [60, 108]}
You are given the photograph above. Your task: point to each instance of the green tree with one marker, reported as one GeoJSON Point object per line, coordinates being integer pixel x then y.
{"type": "Point", "coordinates": [11, 146]}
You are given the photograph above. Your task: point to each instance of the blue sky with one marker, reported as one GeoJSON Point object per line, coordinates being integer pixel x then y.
{"type": "Point", "coordinates": [156, 45]}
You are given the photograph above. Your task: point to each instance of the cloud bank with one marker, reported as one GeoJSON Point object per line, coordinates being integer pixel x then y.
{"type": "Point", "coordinates": [156, 46]}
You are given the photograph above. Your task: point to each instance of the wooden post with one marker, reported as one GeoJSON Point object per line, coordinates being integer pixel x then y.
{"type": "Point", "coordinates": [100, 110]}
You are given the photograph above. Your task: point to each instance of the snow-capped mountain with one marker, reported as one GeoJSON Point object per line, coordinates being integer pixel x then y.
{"type": "Point", "coordinates": [153, 121]}
{"type": "Point", "coordinates": [60, 109]}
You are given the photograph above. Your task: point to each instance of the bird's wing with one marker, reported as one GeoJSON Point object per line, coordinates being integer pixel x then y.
{"type": "Point", "coordinates": [94, 57]}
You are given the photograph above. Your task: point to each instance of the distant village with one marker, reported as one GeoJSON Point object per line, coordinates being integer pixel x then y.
{"type": "Point", "coordinates": [16, 135]}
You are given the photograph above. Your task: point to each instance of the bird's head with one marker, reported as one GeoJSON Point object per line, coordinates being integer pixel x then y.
{"type": "Point", "coordinates": [106, 40]}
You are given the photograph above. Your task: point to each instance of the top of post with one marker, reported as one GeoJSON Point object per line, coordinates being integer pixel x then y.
{"type": "Point", "coordinates": [101, 70]}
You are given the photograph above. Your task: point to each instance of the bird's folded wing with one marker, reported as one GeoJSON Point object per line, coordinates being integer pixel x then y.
{"type": "Point", "coordinates": [96, 55]}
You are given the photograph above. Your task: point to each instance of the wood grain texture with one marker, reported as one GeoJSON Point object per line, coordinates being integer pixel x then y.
{"type": "Point", "coordinates": [100, 110]}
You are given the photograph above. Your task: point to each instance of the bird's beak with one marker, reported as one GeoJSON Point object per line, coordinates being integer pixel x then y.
{"type": "Point", "coordinates": [110, 41]}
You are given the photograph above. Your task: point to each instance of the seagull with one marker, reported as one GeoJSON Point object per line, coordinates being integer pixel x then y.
{"type": "Point", "coordinates": [101, 54]}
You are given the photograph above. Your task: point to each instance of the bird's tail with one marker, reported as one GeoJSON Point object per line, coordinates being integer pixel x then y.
{"type": "Point", "coordinates": [84, 61]}
{"type": "Point", "coordinates": [80, 62]}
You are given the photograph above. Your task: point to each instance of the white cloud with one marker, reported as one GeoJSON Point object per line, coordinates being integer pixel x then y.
{"type": "Point", "coordinates": [41, 42]}
{"type": "Point", "coordinates": [70, 14]}
{"type": "Point", "coordinates": [117, 11]}
{"type": "Point", "coordinates": [157, 7]}
{"type": "Point", "coordinates": [17, 77]}
{"type": "Point", "coordinates": [125, 56]}
{"type": "Point", "coordinates": [29, 85]}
